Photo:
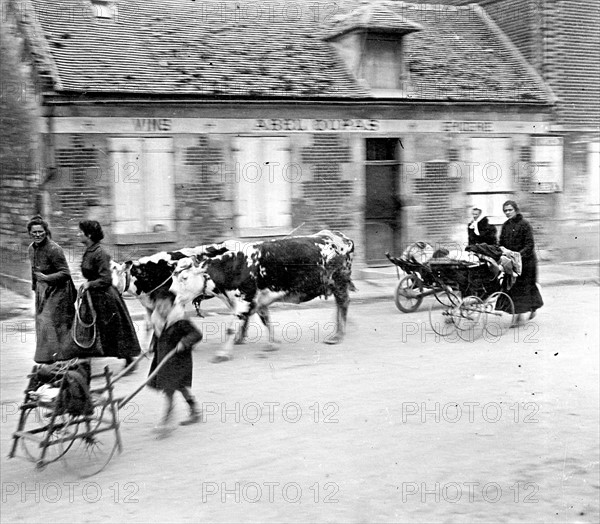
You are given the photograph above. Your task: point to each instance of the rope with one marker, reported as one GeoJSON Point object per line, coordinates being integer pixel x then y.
{"type": "Point", "coordinates": [159, 285]}
{"type": "Point", "coordinates": [79, 321]}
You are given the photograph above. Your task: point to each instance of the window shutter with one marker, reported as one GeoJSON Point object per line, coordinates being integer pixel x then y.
{"type": "Point", "coordinates": [158, 185]}
{"type": "Point", "coordinates": [126, 156]}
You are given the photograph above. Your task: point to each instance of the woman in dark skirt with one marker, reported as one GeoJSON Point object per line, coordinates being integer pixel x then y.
{"type": "Point", "coordinates": [55, 294]}
{"type": "Point", "coordinates": [517, 235]}
{"type": "Point", "coordinates": [115, 330]}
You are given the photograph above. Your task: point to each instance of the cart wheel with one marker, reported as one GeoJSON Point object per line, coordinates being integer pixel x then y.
{"type": "Point", "coordinates": [471, 319]}
{"type": "Point", "coordinates": [95, 444]}
{"type": "Point", "coordinates": [37, 422]}
{"type": "Point", "coordinates": [447, 297]}
{"type": "Point", "coordinates": [500, 312]}
{"type": "Point", "coordinates": [409, 293]}
{"type": "Point", "coordinates": [441, 317]}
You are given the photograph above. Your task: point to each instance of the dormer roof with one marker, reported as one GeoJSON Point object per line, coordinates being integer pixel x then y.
{"type": "Point", "coordinates": [377, 17]}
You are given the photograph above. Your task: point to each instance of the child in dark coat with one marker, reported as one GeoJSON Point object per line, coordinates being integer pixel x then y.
{"type": "Point", "coordinates": [173, 331]}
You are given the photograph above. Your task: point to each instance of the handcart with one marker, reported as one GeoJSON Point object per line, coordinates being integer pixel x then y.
{"type": "Point", "coordinates": [481, 305]}
{"type": "Point", "coordinates": [57, 422]}
{"type": "Point", "coordinates": [53, 423]}
{"type": "Point", "coordinates": [419, 281]}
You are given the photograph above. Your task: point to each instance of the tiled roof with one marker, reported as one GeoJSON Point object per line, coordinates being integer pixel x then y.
{"type": "Point", "coordinates": [268, 48]}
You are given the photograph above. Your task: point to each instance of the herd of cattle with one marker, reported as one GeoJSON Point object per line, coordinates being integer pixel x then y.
{"type": "Point", "coordinates": [248, 277]}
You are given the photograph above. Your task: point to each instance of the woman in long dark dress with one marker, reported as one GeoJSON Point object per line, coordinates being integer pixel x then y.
{"type": "Point", "coordinates": [115, 330]}
{"type": "Point", "coordinates": [55, 294]}
{"type": "Point", "coordinates": [517, 235]}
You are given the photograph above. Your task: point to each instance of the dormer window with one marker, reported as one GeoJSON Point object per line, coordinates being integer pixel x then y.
{"type": "Point", "coordinates": [381, 63]}
{"type": "Point", "coordinates": [104, 9]}
{"type": "Point", "coordinates": [371, 41]}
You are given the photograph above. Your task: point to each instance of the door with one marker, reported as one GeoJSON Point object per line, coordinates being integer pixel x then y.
{"type": "Point", "coordinates": [382, 228]}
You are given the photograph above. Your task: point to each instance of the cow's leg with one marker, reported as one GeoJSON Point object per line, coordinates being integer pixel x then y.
{"type": "Point", "coordinates": [242, 313]}
{"type": "Point", "coordinates": [265, 316]}
{"type": "Point", "coordinates": [264, 299]}
{"type": "Point", "coordinates": [243, 331]}
{"type": "Point", "coordinates": [342, 300]}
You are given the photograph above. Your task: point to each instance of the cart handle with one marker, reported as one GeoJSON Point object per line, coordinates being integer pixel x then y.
{"type": "Point", "coordinates": [132, 365]}
{"type": "Point", "coordinates": [150, 377]}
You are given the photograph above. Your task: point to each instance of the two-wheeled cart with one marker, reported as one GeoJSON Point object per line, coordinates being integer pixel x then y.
{"type": "Point", "coordinates": [56, 417]}
{"type": "Point", "coordinates": [70, 414]}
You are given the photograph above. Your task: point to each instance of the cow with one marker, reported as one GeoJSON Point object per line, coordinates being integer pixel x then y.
{"type": "Point", "coordinates": [142, 277]}
{"type": "Point", "coordinates": [294, 269]}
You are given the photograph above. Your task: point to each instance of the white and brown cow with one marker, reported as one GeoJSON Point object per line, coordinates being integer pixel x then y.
{"type": "Point", "coordinates": [295, 269]}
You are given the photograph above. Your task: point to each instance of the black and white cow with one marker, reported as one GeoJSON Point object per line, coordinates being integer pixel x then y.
{"type": "Point", "coordinates": [295, 269]}
{"type": "Point", "coordinates": [142, 277]}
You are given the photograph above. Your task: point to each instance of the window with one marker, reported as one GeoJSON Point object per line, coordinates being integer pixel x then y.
{"type": "Point", "coordinates": [489, 176]}
{"type": "Point", "coordinates": [143, 185]}
{"type": "Point", "coordinates": [547, 158]}
{"type": "Point", "coordinates": [381, 61]}
{"type": "Point", "coordinates": [382, 149]}
{"type": "Point", "coordinates": [263, 182]}
{"type": "Point", "coordinates": [104, 8]}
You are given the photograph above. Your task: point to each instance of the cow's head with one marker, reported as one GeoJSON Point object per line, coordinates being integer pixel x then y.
{"type": "Point", "coordinates": [190, 279]}
{"type": "Point", "coordinates": [149, 273]}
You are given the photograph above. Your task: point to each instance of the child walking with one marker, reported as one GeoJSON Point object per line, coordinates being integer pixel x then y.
{"type": "Point", "coordinates": [173, 331]}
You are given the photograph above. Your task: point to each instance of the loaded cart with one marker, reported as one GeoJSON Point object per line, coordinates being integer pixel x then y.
{"type": "Point", "coordinates": [419, 281]}
{"type": "Point", "coordinates": [470, 293]}
{"type": "Point", "coordinates": [71, 415]}
{"type": "Point", "coordinates": [64, 412]}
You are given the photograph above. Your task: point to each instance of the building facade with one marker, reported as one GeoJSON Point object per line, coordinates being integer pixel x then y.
{"type": "Point", "coordinates": [176, 127]}
{"type": "Point", "coordinates": [561, 40]}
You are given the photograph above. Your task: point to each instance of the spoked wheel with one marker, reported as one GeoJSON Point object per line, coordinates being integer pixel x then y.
{"type": "Point", "coordinates": [447, 297]}
{"type": "Point", "coordinates": [471, 319]}
{"type": "Point", "coordinates": [409, 293]}
{"type": "Point", "coordinates": [56, 440]}
{"type": "Point", "coordinates": [441, 318]}
{"type": "Point", "coordinates": [95, 445]}
{"type": "Point", "coordinates": [500, 312]}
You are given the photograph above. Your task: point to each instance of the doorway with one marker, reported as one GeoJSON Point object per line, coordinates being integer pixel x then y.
{"type": "Point", "coordinates": [382, 204]}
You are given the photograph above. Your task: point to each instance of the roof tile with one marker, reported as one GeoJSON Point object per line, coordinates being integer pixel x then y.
{"type": "Point", "coordinates": [265, 49]}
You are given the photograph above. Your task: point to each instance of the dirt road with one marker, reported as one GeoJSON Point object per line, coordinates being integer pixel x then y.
{"type": "Point", "coordinates": [394, 425]}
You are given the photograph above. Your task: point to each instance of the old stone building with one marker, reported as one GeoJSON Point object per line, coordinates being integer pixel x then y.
{"type": "Point", "coordinates": [561, 40]}
{"type": "Point", "coordinates": [177, 123]}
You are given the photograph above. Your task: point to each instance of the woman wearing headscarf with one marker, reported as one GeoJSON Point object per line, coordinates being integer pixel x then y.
{"type": "Point", "coordinates": [480, 231]}
{"type": "Point", "coordinates": [55, 294]}
{"type": "Point", "coordinates": [115, 330]}
{"type": "Point", "coordinates": [517, 235]}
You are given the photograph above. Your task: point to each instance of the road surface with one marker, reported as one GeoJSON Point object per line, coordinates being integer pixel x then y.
{"type": "Point", "coordinates": [393, 425]}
